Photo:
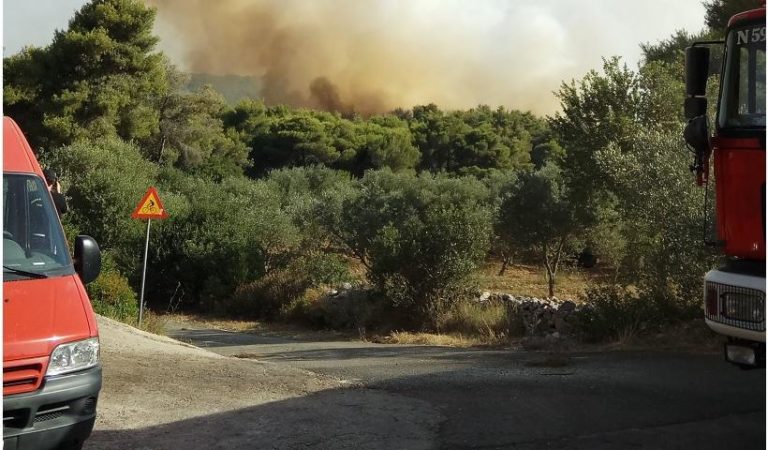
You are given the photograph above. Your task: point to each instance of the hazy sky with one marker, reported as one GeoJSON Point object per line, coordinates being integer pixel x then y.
{"type": "Point", "coordinates": [536, 43]}
{"type": "Point", "coordinates": [32, 22]}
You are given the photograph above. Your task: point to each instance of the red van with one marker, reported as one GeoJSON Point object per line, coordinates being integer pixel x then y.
{"type": "Point", "coordinates": [51, 368]}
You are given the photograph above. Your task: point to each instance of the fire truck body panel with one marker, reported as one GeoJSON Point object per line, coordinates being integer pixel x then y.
{"type": "Point", "coordinates": [740, 196]}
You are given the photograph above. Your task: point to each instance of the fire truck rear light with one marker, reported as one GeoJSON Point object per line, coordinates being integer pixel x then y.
{"type": "Point", "coordinates": [711, 301]}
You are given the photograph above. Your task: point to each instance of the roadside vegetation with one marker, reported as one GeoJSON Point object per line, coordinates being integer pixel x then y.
{"type": "Point", "coordinates": [383, 225]}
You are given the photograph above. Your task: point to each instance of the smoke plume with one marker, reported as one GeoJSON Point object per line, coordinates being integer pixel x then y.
{"type": "Point", "coordinates": [372, 56]}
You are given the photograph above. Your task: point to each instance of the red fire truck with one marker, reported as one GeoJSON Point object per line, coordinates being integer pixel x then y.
{"type": "Point", "coordinates": [734, 294]}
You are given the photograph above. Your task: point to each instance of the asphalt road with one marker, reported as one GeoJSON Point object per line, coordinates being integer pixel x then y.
{"type": "Point", "coordinates": [498, 399]}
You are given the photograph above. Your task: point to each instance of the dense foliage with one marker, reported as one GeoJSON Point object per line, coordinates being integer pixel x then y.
{"type": "Point", "coordinates": [418, 237]}
{"type": "Point", "coordinates": [270, 202]}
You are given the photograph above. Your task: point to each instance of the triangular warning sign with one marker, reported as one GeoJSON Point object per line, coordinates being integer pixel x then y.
{"type": "Point", "coordinates": [150, 207]}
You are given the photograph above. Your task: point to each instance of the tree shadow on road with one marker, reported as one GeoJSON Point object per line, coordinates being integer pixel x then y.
{"type": "Point", "coordinates": [468, 408]}
{"type": "Point", "coordinates": [340, 418]}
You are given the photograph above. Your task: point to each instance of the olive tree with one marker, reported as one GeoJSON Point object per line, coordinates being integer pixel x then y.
{"type": "Point", "coordinates": [538, 214]}
{"type": "Point", "coordinates": [419, 237]}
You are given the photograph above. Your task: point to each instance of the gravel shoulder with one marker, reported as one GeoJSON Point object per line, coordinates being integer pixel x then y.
{"type": "Point", "coordinates": [159, 393]}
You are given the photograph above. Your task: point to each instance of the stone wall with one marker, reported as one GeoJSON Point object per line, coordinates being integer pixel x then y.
{"type": "Point", "coordinates": [539, 316]}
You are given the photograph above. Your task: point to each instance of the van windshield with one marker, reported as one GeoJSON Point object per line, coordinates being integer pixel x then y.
{"type": "Point", "coordinates": [33, 241]}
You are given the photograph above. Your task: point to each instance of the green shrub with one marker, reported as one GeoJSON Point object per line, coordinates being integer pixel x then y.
{"type": "Point", "coordinates": [355, 309]}
{"type": "Point", "coordinates": [674, 300]}
{"type": "Point", "coordinates": [113, 297]}
{"type": "Point", "coordinates": [290, 292]}
{"type": "Point", "coordinates": [305, 310]}
{"type": "Point", "coordinates": [610, 312]}
{"type": "Point", "coordinates": [224, 235]}
{"type": "Point", "coordinates": [323, 269]}
{"type": "Point", "coordinates": [423, 264]}
{"type": "Point", "coordinates": [266, 297]}
{"type": "Point", "coordinates": [363, 310]}
{"type": "Point", "coordinates": [419, 237]}
{"type": "Point", "coordinates": [108, 176]}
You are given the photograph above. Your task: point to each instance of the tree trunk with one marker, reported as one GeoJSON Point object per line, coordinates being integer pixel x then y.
{"type": "Point", "coordinates": [551, 285]}
{"type": "Point", "coordinates": [552, 264]}
{"type": "Point", "coordinates": [360, 255]}
{"type": "Point", "coordinates": [162, 150]}
{"type": "Point", "coordinates": [505, 261]}
{"type": "Point", "coordinates": [548, 266]}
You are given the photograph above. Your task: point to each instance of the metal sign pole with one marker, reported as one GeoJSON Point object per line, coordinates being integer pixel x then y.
{"type": "Point", "coordinates": [144, 274]}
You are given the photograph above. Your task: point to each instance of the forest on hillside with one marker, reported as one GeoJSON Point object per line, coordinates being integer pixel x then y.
{"type": "Point", "coordinates": [270, 204]}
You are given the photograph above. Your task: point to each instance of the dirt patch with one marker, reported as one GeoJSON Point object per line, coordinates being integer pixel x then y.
{"type": "Point", "coordinates": [146, 373]}
{"type": "Point", "coordinates": [268, 329]}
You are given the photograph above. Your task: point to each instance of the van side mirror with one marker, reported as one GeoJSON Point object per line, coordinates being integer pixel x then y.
{"type": "Point", "coordinates": [87, 258]}
{"type": "Point", "coordinates": [696, 71]}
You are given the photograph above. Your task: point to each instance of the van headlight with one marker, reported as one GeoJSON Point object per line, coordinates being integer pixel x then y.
{"type": "Point", "coordinates": [74, 356]}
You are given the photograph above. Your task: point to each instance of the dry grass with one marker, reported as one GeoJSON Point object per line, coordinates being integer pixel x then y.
{"type": "Point", "coordinates": [247, 355]}
{"type": "Point", "coordinates": [628, 336]}
{"type": "Point", "coordinates": [467, 324]}
{"type": "Point", "coordinates": [153, 323]}
{"type": "Point", "coordinates": [202, 321]}
{"type": "Point", "coordinates": [485, 321]}
{"type": "Point", "coordinates": [437, 339]}
{"type": "Point", "coordinates": [470, 324]}
{"type": "Point", "coordinates": [150, 322]}
{"type": "Point", "coordinates": [448, 339]}
{"type": "Point", "coordinates": [532, 281]}
{"type": "Point", "coordinates": [693, 336]}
